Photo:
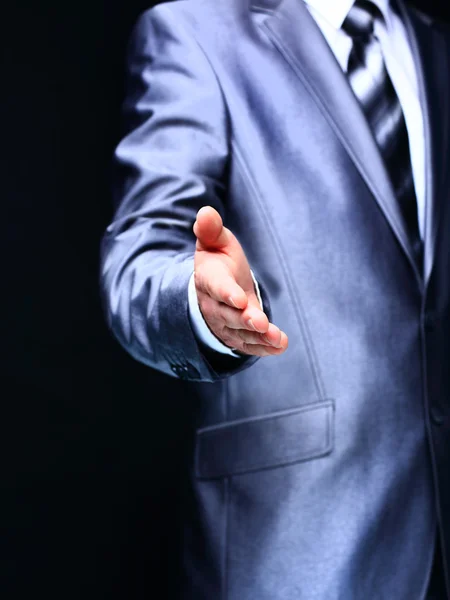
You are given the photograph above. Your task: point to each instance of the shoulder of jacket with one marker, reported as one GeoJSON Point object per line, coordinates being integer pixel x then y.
{"type": "Point", "coordinates": [206, 15]}
{"type": "Point", "coordinates": [194, 10]}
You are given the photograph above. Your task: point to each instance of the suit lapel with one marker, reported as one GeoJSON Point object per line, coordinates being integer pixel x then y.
{"type": "Point", "coordinates": [295, 34]}
{"type": "Point", "coordinates": [431, 54]}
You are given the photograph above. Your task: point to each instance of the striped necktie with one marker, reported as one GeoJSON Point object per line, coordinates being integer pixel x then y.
{"type": "Point", "coordinates": [373, 88]}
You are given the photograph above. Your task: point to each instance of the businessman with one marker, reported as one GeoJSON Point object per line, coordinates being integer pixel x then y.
{"type": "Point", "coordinates": [281, 245]}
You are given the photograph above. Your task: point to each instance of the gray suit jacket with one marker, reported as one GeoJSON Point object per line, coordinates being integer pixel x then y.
{"type": "Point", "coordinates": [320, 474]}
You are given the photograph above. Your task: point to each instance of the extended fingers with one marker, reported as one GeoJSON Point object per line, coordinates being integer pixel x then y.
{"type": "Point", "coordinates": [220, 314]}
{"type": "Point", "coordinates": [236, 328]}
{"type": "Point", "coordinates": [233, 339]}
{"type": "Point", "coordinates": [273, 337]}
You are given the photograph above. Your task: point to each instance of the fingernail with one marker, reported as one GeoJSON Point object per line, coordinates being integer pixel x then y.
{"type": "Point", "coordinates": [271, 343]}
{"type": "Point", "coordinates": [250, 324]}
{"type": "Point", "coordinates": [232, 301]}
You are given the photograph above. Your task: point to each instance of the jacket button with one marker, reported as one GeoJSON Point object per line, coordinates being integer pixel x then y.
{"type": "Point", "coordinates": [192, 372]}
{"type": "Point", "coordinates": [185, 371]}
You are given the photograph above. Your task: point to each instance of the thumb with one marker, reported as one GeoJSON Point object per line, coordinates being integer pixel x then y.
{"type": "Point", "coordinates": [209, 229]}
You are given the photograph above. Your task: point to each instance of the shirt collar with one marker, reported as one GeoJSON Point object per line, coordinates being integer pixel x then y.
{"type": "Point", "coordinates": [334, 12]}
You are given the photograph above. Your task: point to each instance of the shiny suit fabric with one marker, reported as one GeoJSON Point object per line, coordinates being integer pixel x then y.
{"type": "Point", "coordinates": [322, 474]}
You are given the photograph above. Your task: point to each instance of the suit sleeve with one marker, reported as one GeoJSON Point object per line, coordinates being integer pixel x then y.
{"type": "Point", "coordinates": [171, 162]}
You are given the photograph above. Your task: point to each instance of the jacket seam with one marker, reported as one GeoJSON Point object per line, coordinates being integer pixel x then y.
{"type": "Point", "coordinates": [292, 289]}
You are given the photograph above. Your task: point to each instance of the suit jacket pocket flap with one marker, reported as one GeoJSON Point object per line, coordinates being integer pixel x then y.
{"type": "Point", "coordinates": [263, 442]}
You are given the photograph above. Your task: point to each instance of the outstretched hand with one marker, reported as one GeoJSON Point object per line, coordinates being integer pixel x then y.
{"type": "Point", "coordinates": [226, 292]}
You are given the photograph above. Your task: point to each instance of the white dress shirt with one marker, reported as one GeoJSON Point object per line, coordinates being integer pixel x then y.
{"type": "Point", "coordinates": [329, 16]}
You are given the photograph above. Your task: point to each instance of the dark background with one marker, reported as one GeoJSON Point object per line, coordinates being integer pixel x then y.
{"type": "Point", "coordinates": [88, 439]}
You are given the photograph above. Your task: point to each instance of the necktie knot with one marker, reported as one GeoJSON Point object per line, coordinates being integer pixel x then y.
{"type": "Point", "coordinates": [359, 22]}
